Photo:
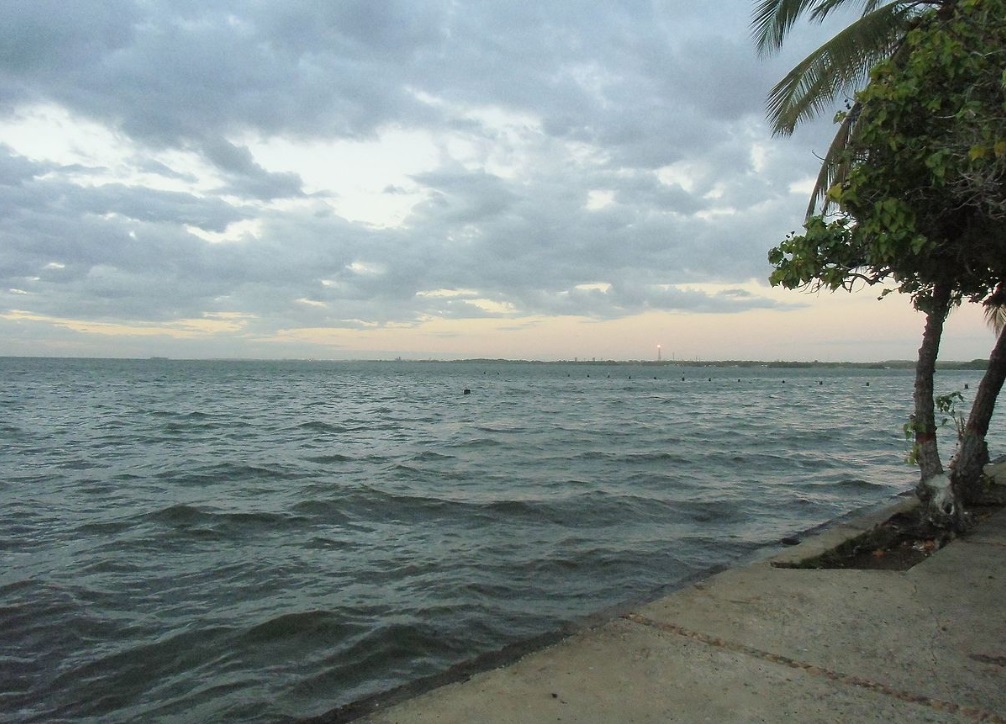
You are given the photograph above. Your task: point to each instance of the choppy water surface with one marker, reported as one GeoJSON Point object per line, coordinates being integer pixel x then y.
{"type": "Point", "coordinates": [256, 541]}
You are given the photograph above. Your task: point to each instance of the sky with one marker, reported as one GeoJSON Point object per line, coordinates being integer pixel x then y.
{"type": "Point", "coordinates": [389, 178]}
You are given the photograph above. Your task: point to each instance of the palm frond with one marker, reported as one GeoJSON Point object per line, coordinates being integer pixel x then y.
{"type": "Point", "coordinates": [841, 64]}
{"type": "Point", "coordinates": [995, 309]}
{"type": "Point", "coordinates": [773, 19]}
{"type": "Point", "coordinates": [996, 317]}
{"type": "Point", "coordinates": [825, 7]}
{"type": "Point", "coordinates": [832, 169]}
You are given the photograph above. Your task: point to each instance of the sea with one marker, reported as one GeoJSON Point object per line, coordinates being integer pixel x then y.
{"type": "Point", "coordinates": [267, 541]}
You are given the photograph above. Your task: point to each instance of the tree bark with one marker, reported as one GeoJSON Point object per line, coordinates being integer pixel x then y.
{"type": "Point", "coordinates": [935, 491]}
{"type": "Point", "coordinates": [924, 419]}
{"type": "Point", "coordinates": [966, 468]}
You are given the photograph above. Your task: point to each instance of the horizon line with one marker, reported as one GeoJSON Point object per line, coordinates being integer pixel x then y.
{"type": "Point", "coordinates": [505, 360]}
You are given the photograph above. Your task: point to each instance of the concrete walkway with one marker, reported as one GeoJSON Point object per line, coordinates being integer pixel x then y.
{"type": "Point", "coordinates": [768, 644]}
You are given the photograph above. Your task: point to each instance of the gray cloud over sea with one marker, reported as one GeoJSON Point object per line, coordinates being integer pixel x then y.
{"type": "Point", "coordinates": [599, 160]}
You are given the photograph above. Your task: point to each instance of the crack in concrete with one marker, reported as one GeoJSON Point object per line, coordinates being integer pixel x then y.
{"type": "Point", "coordinates": [973, 712]}
{"type": "Point", "coordinates": [989, 659]}
{"type": "Point", "coordinates": [934, 659]}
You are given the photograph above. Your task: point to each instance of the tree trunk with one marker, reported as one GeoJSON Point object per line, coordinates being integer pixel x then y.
{"type": "Point", "coordinates": [966, 469]}
{"type": "Point", "coordinates": [934, 488]}
{"type": "Point", "coordinates": [924, 419]}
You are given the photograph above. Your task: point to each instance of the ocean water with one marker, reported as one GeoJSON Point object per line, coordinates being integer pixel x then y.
{"type": "Point", "coordinates": [266, 541]}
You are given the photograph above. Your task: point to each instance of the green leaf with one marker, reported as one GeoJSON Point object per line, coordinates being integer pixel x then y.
{"type": "Point", "coordinates": [977, 152]}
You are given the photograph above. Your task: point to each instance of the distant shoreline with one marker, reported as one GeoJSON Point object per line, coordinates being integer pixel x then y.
{"type": "Point", "coordinates": [975, 364]}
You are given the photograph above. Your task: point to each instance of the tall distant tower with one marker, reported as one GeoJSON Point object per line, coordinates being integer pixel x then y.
{"type": "Point", "coordinates": [658, 353]}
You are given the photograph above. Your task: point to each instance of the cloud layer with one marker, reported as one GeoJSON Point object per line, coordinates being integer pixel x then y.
{"type": "Point", "coordinates": [307, 164]}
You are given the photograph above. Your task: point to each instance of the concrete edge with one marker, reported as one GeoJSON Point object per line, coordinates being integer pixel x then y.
{"type": "Point", "coordinates": [813, 541]}
{"type": "Point", "coordinates": [841, 530]}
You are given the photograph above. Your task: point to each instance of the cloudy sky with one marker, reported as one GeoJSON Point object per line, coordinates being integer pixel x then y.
{"type": "Point", "coordinates": [445, 178]}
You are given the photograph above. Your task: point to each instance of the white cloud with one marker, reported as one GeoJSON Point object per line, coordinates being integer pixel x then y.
{"type": "Point", "coordinates": [311, 166]}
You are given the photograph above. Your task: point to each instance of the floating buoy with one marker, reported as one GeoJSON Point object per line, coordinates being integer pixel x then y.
{"type": "Point", "coordinates": [467, 391]}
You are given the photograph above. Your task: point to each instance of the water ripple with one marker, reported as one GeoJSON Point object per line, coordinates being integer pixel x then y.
{"type": "Point", "coordinates": [260, 541]}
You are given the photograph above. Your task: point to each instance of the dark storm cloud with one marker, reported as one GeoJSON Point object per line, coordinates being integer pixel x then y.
{"type": "Point", "coordinates": [41, 40]}
{"type": "Point", "coordinates": [250, 179]}
{"type": "Point", "coordinates": [16, 170]}
{"type": "Point", "coordinates": [600, 101]}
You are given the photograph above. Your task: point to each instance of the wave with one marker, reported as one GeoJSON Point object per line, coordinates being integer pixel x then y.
{"type": "Point", "coordinates": [330, 459]}
{"type": "Point", "coordinates": [187, 516]}
{"type": "Point", "coordinates": [229, 473]}
{"type": "Point", "coordinates": [476, 443]}
{"type": "Point", "coordinates": [109, 528]}
{"type": "Point", "coordinates": [291, 625]}
{"type": "Point", "coordinates": [718, 512]}
{"type": "Point", "coordinates": [858, 485]}
{"type": "Point", "coordinates": [334, 511]}
{"type": "Point", "coordinates": [320, 426]}
{"type": "Point", "coordinates": [381, 657]}
{"type": "Point", "coordinates": [657, 457]}
{"type": "Point", "coordinates": [240, 565]}
{"type": "Point", "coordinates": [430, 455]}
{"type": "Point", "coordinates": [502, 428]}
{"type": "Point", "coordinates": [120, 681]}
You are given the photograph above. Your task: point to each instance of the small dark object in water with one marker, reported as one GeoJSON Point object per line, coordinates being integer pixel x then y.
{"type": "Point", "coordinates": [467, 391]}
{"type": "Point", "coordinates": [790, 541]}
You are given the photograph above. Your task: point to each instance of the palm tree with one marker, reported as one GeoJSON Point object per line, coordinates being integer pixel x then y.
{"type": "Point", "coordinates": [973, 453]}
{"type": "Point", "coordinates": [839, 67]}
{"type": "Point", "coordinates": [995, 310]}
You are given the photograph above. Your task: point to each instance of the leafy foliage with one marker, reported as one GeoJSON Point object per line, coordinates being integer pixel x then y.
{"type": "Point", "coordinates": [840, 66]}
{"type": "Point", "coordinates": [923, 200]}
{"type": "Point", "coordinates": [948, 406]}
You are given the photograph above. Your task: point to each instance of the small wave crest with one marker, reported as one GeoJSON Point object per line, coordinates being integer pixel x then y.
{"type": "Point", "coordinates": [321, 426]}
{"type": "Point", "coordinates": [329, 459]}
{"type": "Point", "coordinates": [187, 516]}
{"type": "Point", "coordinates": [310, 624]}
{"type": "Point", "coordinates": [858, 484]}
